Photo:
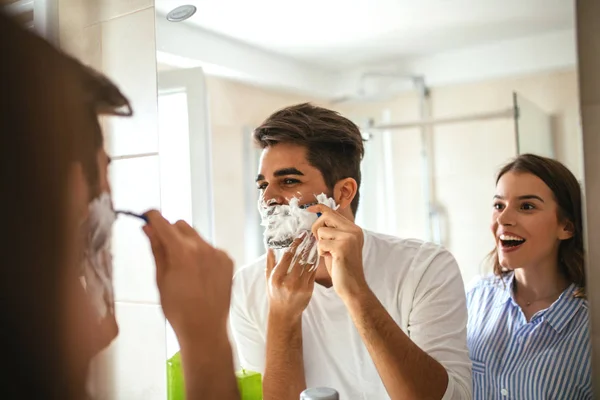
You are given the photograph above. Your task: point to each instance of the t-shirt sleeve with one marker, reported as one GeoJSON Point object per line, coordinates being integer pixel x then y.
{"type": "Point", "coordinates": [438, 322]}
{"type": "Point", "coordinates": [249, 342]}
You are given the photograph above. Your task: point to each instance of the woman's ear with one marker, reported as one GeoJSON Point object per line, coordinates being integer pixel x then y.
{"type": "Point", "coordinates": [567, 231]}
{"type": "Point", "coordinates": [344, 192]}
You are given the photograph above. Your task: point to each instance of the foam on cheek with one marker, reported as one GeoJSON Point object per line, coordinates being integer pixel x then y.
{"type": "Point", "coordinates": [284, 223]}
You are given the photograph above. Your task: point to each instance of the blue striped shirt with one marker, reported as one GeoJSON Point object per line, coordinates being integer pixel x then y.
{"type": "Point", "coordinates": [547, 358]}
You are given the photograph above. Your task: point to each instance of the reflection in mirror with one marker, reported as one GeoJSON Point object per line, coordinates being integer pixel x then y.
{"type": "Point", "coordinates": [440, 98]}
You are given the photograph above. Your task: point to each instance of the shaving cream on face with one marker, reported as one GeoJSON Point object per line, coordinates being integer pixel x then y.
{"type": "Point", "coordinates": [97, 260]}
{"type": "Point", "coordinates": [284, 223]}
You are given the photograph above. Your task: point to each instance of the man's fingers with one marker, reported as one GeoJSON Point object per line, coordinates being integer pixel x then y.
{"type": "Point", "coordinates": [310, 278]}
{"type": "Point", "coordinates": [154, 241]}
{"type": "Point", "coordinates": [185, 229]}
{"type": "Point", "coordinates": [299, 258]}
{"type": "Point", "coordinates": [331, 219]}
{"type": "Point", "coordinates": [326, 246]}
{"type": "Point", "coordinates": [310, 275]}
{"type": "Point", "coordinates": [162, 228]}
{"type": "Point", "coordinates": [320, 208]}
{"type": "Point", "coordinates": [297, 268]}
{"type": "Point", "coordinates": [158, 250]}
{"type": "Point", "coordinates": [280, 271]}
{"type": "Point", "coordinates": [270, 262]}
{"type": "Point", "coordinates": [327, 233]}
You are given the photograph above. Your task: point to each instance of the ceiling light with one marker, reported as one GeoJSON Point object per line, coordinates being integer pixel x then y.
{"type": "Point", "coordinates": [181, 13]}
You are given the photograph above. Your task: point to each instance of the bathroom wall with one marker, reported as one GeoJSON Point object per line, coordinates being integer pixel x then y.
{"type": "Point", "coordinates": [467, 156]}
{"type": "Point", "coordinates": [118, 38]}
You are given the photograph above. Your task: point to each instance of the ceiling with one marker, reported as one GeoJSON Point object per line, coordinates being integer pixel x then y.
{"type": "Point", "coordinates": [341, 34]}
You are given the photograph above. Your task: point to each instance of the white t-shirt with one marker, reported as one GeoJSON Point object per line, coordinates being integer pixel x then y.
{"type": "Point", "coordinates": [420, 286]}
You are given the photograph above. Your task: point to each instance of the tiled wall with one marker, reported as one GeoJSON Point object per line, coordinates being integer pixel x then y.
{"type": "Point", "coordinates": [588, 46]}
{"type": "Point", "coordinates": [118, 38]}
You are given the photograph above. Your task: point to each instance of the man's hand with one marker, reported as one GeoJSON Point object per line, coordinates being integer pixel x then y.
{"type": "Point", "coordinates": [340, 243]}
{"type": "Point", "coordinates": [194, 281]}
{"type": "Point", "coordinates": [193, 278]}
{"type": "Point", "coordinates": [289, 294]}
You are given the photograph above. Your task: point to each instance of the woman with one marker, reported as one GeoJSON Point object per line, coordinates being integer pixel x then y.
{"type": "Point", "coordinates": [528, 331]}
{"type": "Point", "coordinates": [52, 169]}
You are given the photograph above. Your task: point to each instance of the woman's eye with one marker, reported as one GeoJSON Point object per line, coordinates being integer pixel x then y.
{"type": "Point", "coordinates": [527, 206]}
{"type": "Point", "coordinates": [498, 206]}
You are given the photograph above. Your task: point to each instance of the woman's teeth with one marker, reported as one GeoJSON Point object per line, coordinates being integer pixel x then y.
{"type": "Point", "coordinates": [511, 241]}
{"type": "Point", "coordinates": [510, 237]}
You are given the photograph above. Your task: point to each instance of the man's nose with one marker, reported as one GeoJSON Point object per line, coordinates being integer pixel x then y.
{"type": "Point", "coordinates": [272, 197]}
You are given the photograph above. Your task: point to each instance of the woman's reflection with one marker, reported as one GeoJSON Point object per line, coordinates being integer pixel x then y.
{"type": "Point", "coordinates": [528, 331]}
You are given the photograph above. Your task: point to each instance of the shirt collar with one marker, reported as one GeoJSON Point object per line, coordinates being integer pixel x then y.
{"type": "Point", "coordinates": [558, 315]}
{"type": "Point", "coordinates": [562, 311]}
{"type": "Point", "coordinates": [504, 283]}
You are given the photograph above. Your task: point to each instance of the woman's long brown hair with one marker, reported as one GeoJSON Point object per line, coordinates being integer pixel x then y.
{"type": "Point", "coordinates": [49, 106]}
{"type": "Point", "coordinates": [567, 194]}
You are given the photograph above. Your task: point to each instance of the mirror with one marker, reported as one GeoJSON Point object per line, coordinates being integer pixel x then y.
{"type": "Point", "coordinates": [443, 95]}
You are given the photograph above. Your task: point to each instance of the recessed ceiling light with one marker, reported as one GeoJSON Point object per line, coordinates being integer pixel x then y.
{"type": "Point", "coordinates": [181, 13]}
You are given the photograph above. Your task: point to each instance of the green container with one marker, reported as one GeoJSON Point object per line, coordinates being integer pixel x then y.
{"type": "Point", "coordinates": [249, 382]}
{"type": "Point", "coordinates": [249, 385]}
{"type": "Point", "coordinates": [175, 383]}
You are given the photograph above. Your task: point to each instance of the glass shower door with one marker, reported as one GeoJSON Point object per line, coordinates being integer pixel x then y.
{"type": "Point", "coordinates": [533, 128]}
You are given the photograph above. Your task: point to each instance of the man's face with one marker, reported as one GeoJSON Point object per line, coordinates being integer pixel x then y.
{"type": "Point", "coordinates": [285, 173]}
{"type": "Point", "coordinates": [286, 181]}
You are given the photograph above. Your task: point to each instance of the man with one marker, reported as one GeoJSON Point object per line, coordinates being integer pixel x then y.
{"type": "Point", "coordinates": [380, 317]}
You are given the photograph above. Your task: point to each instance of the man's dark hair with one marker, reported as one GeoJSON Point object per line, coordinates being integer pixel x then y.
{"type": "Point", "coordinates": [334, 144]}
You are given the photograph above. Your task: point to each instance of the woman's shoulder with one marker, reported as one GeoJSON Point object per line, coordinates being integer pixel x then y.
{"type": "Point", "coordinates": [487, 281]}
{"type": "Point", "coordinates": [488, 286]}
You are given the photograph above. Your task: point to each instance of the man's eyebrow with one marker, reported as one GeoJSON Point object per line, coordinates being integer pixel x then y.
{"type": "Point", "coordinates": [524, 197]}
{"type": "Point", "coordinates": [288, 171]}
{"type": "Point", "coordinates": [282, 172]}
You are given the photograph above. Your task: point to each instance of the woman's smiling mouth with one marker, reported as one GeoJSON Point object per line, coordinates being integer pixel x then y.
{"type": "Point", "coordinates": [510, 242]}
